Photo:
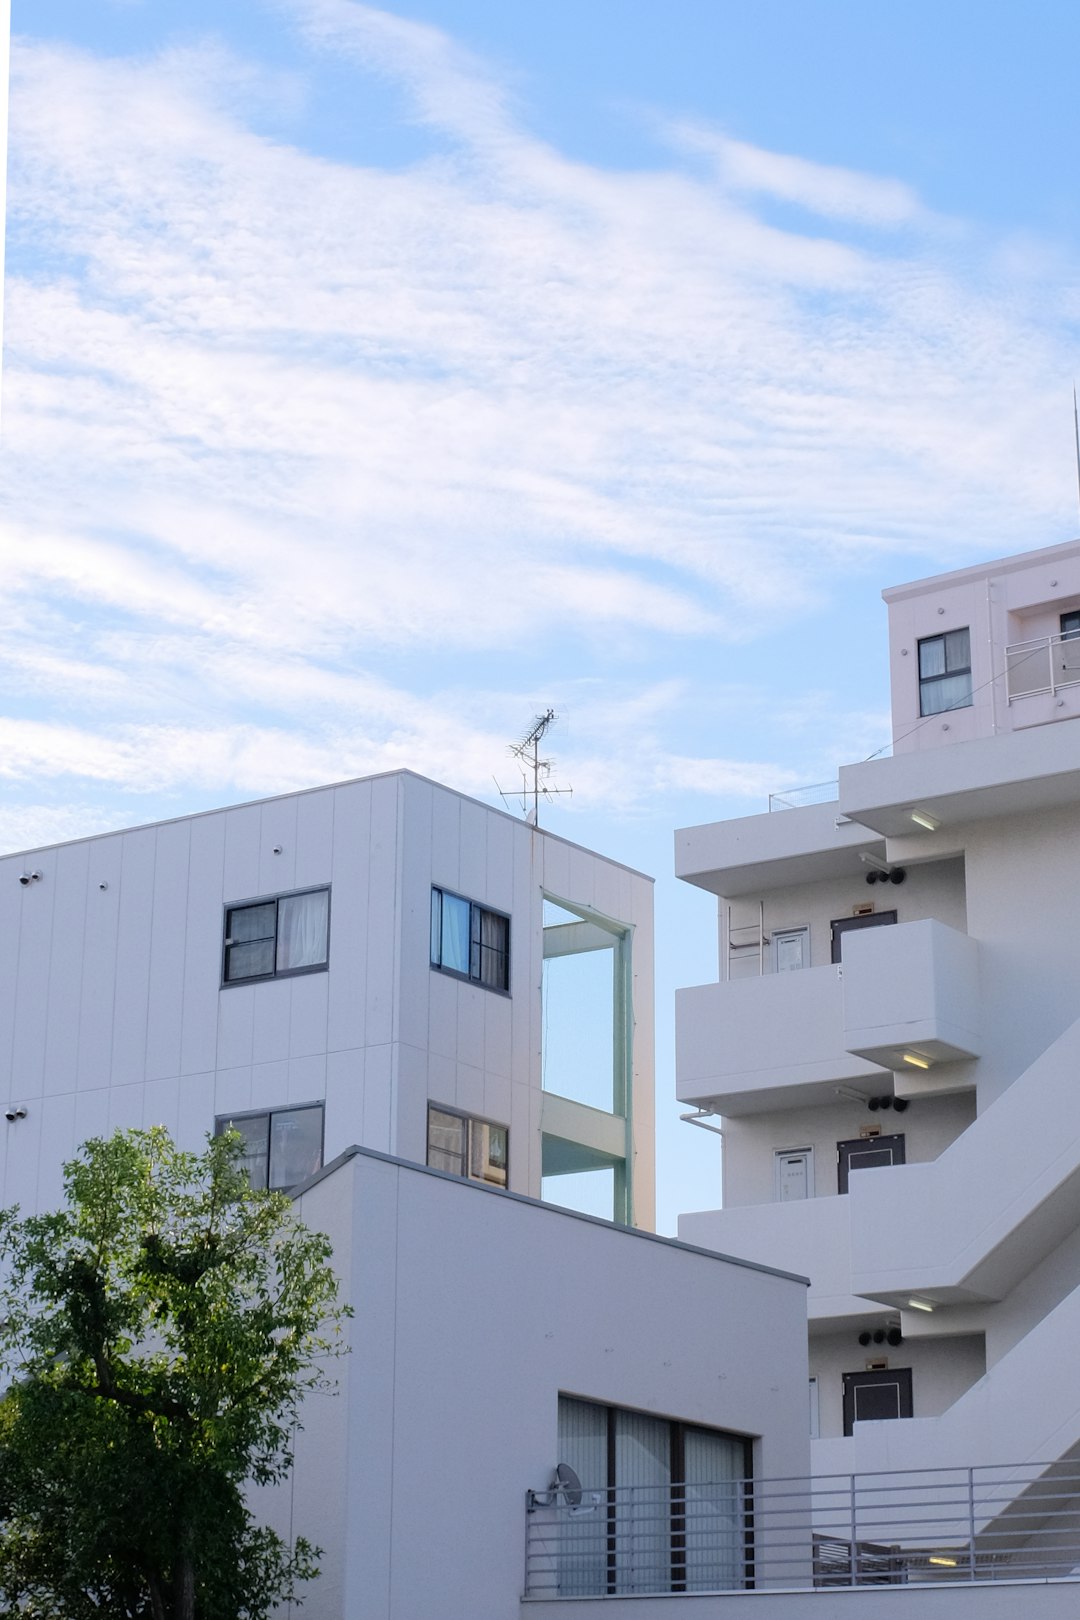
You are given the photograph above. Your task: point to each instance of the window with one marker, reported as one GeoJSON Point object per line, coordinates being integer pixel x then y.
{"type": "Point", "coordinates": [282, 1146]}
{"type": "Point", "coordinates": [945, 672]}
{"type": "Point", "coordinates": [669, 1504]}
{"type": "Point", "coordinates": [1070, 625]}
{"type": "Point", "coordinates": [474, 1148]}
{"type": "Point", "coordinates": [470, 941]}
{"type": "Point", "coordinates": [270, 938]}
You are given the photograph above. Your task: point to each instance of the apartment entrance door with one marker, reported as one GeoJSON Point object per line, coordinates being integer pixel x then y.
{"type": "Point", "coordinates": [870, 1396]}
{"type": "Point", "coordinates": [864, 1153]}
{"type": "Point", "coordinates": [845, 925]}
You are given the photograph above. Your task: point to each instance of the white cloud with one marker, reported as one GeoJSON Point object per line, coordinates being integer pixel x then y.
{"type": "Point", "coordinates": [495, 425]}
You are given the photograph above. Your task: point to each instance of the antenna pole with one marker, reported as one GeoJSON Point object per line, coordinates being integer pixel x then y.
{"type": "Point", "coordinates": [1076, 430]}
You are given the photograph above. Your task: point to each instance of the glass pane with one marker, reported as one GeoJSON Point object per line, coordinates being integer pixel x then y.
{"type": "Point", "coordinates": [251, 961]}
{"type": "Point", "coordinates": [491, 949]}
{"type": "Point", "coordinates": [715, 1525]}
{"type": "Point", "coordinates": [255, 1131]}
{"type": "Point", "coordinates": [302, 925]}
{"type": "Point", "coordinates": [488, 1152]}
{"type": "Point", "coordinates": [454, 953]}
{"type": "Point", "coordinates": [295, 1146]}
{"type": "Point", "coordinates": [958, 650]}
{"type": "Point", "coordinates": [583, 1530]}
{"type": "Point", "coordinates": [932, 657]}
{"type": "Point", "coordinates": [446, 1142]}
{"type": "Point", "coordinates": [953, 692]}
{"type": "Point", "coordinates": [643, 1503]}
{"type": "Point", "coordinates": [436, 926]}
{"type": "Point", "coordinates": [251, 922]}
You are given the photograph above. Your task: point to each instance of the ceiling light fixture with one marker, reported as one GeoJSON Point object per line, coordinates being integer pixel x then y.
{"type": "Point", "coordinates": [920, 1305]}
{"type": "Point", "coordinates": [916, 1061]}
{"type": "Point", "coordinates": [922, 818]}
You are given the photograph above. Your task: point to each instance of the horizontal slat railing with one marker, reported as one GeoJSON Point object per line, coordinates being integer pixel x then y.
{"type": "Point", "coordinates": [1010, 1522]}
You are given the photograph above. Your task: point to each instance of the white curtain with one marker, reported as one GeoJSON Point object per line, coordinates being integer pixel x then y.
{"type": "Point", "coordinates": [302, 926]}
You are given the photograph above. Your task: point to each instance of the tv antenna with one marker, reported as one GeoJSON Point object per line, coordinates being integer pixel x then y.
{"type": "Point", "coordinates": [534, 770]}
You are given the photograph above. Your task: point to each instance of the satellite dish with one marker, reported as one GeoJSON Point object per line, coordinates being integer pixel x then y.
{"type": "Point", "coordinates": [568, 1484]}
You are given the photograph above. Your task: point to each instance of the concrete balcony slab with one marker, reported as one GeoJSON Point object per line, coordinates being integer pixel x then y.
{"type": "Point", "coordinates": [911, 995]}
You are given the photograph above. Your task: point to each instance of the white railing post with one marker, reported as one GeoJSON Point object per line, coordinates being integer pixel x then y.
{"type": "Point", "coordinates": [971, 1523]}
{"type": "Point", "coordinates": [853, 1564]}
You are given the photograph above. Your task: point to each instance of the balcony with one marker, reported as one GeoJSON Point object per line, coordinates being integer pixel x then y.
{"type": "Point", "coordinates": [911, 996]}
{"type": "Point", "coordinates": [811, 1237]}
{"type": "Point", "coordinates": [1042, 665]}
{"type": "Point", "coordinates": [925, 1527]}
{"type": "Point", "coordinates": [774, 1042]}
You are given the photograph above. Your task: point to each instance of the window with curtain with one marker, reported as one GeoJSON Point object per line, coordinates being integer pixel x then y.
{"type": "Point", "coordinates": [945, 672]}
{"type": "Point", "coordinates": [665, 1505]}
{"type": "Point", "coordinates": [268, 939]}
{"type": "Point", "coordinates": [470, 940]}
{"type": "Point", "coordinates": [282, 1146]}
{"type": "Point", "coordinates": [475, 1148]}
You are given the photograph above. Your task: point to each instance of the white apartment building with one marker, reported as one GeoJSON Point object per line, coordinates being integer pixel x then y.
{"type": "Point", "coordinates": [375, 983]}
{"type": "Point", "coordinates": [383, 963]}
{"type": "Point", "coordinates": [893, 1045]}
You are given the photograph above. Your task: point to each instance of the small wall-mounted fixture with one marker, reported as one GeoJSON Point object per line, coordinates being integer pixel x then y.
{"type": "Point", "coordinates": [277, 849]}
{"type": "Point", "coordinates": [103, 885]}
{"type": "Point", "coordinates": [923, 818]}
{"type": "Point", "coordinates": [14, 1111]}
{"type": "Point", "coordinates": [26, 878]}
{"type": "Point", "coordinates": [895, 874]}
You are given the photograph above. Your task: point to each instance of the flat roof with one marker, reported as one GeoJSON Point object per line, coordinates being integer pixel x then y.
{"type": "Point", "coordinates": [325, 787]}
{"type": "Point", "coordinates": [357, 1152]}
{"type": "Point", "coordinates": [1001, 565]}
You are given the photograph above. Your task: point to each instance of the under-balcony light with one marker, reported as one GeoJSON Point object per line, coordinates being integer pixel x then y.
{"type": "Point", "coordinates": [920, 1305]}
{"type": "Point", "coordinates": [922, 818]}
{"type": "Point", "coordinates": [942, 1561]}
{"type": "Point", "coordinates": [916, 1062]}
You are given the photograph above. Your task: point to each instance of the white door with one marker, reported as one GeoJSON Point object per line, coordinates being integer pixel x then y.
{"type": "Point", "coordinates": [791, 949]}
{"type": "Point", "coordinates": [794, 1174]}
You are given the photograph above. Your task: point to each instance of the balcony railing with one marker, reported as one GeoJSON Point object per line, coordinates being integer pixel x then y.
{"type": "Point", "coordinates": [964, 1525]}
{"type": "Point", "coordinates": [1042, 665]}
{"type": "Point", "coordinates": [816, 793]}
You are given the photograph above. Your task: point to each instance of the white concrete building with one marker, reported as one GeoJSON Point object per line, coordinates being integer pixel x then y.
{"type": "Point", "coordinates": [383, 962]}
{"type": "Point", "coordinates": [894, 1040]}
{"type": "Point", "coordinates": [494, 1338]}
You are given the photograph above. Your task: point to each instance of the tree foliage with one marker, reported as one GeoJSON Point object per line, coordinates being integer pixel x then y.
{"type": "Point", "coordinates": [158, 1335]}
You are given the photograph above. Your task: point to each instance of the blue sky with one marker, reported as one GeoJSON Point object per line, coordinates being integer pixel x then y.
{"type": "Point", "coordinates": [375, 378]}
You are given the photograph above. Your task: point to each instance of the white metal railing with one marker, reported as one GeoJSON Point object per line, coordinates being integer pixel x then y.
{"type": "Point", "coordinates": [1000, 1523]}
{"type": "Point", "coordinates": [816, 793]}
{"type": "Point", "coordinates": [1042, 665]}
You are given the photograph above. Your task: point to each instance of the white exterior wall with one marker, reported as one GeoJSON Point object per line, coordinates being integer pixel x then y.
{"type": "Point", "coordinates": [983, 1220]}
{"type": "Point", "coordinates": [112, 1010]}
{"type": "Point", "coordinates": [474, 1311]}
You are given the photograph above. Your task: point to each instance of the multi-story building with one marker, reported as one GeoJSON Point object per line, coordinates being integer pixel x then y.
{"type": "Point", "coordinates": [894, 1041]}
{"type": "Point", "coordinates": [382, 963]}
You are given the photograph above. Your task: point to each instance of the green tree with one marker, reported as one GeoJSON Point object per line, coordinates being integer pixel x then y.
{"type": "Point", "coordinates": [158, 1335]}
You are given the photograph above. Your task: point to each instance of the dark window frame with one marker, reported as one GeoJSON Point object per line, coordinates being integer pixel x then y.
{"type": "Point", "coordinates": [222, 1122]}
{"type": "Point", "coordinates": [948, 673]}
{"type": "Point", "coordinates": [678, 1430]}
{"type": "Point", "coordinates": [477, 911]}
{"type": "Point", "coordinates": [1069, 631]}
{"type": "Point", "coordinates": [276, 973]}
{"type": "Point", "coordinates": [470, 1120]}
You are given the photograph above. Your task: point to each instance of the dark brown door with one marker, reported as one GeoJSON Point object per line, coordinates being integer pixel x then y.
{"type": "Point", "coordinates": [871, 1396]}
{"type": "Point", "coordinates": [865, 1153]}
{"type": "Point", "coordinates": [844, 925]}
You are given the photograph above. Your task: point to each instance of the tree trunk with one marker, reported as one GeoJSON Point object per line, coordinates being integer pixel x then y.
{"type": "Point", "coordinates": [185, 1587]}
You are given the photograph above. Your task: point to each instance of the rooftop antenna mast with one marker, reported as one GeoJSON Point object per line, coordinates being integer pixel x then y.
{"type": "Point", "coordinates": [534, 770]}
{"type": "Point", "coordinates": [1076, 430]}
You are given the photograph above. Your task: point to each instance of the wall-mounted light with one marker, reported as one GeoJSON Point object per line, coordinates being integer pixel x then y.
{"type": "Point", "coordinates": [916, 1061]}
{"type": "Point", "coordinates": [923, 818]}
{"type": "Point", "coordinates": [920, 1305]}
{"type": "Point", "coordinates": [941, 1562]}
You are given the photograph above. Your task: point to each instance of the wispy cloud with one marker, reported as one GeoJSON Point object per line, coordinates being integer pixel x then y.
{"type": "Point", "coordinates": [416, 448]}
